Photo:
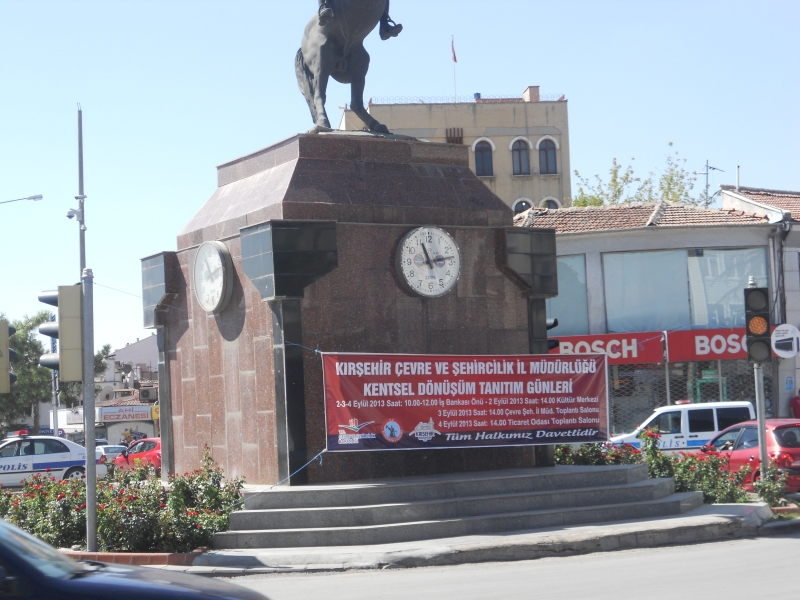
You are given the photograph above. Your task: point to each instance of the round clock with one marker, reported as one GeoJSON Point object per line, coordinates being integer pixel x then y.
{"type": "Point", "coordinates": [428, 262]}
{"type": "Point", "coordinates": [213, 274]}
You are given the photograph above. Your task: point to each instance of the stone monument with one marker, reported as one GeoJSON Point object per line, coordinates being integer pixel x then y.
{"type": "Point", "coordinates": [296, 252]}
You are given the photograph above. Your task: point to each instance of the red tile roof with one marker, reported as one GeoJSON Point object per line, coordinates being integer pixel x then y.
{"type": "Point", "coordinates": [631, 216]}
{"type": "Point", "coordinates": [787, 201]}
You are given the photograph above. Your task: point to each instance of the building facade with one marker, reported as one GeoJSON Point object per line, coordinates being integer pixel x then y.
{"type": "Point", "coordinates": [519, 147]}
{"type": "Point", "coordinates": [659, 289]}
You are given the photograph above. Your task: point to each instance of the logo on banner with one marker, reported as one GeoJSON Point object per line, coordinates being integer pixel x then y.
{"type": "Point", "coordinates": [425, 432]}
{"type": "Point", "coordinates": [351, 439]}
{"type": "Point", "coordinates": [355, 426]}
{"type": "Point", "coordinates": [392, 431]}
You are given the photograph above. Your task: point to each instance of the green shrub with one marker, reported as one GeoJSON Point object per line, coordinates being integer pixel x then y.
{"type": "Point", "coordinates": [597, 454]}
{"type": "Point", "coordinates": [695, 472]}
{"type": "Point", "coordinates": [135, 513]}
{"type": "Point", "coordinates": [771, 486]}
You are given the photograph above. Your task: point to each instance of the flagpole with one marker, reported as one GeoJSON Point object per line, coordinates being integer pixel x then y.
{"type": "Point", "coordinates": [455, 62]}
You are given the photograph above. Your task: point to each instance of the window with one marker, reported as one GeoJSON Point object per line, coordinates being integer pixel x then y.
{"type": "Point", "coordinates": [483, 160]}
{"type": "Point", "coordinates": [701, 420]}
{"type": "Point", "coordinates": [646, 291]}
{"type": "Point", "coordinates": [550, 203]}
{"type": "Point", "coordinates": [49, 447]}
{"type": "Point", "coordinates": [521, 205]}
{"type": "Point", "coordinates": [788, 437]}
{"type": "Point", "coordinates": [725, 442]}
{"type": "Point", "coordinates": [726, 417]}
{"type": "Point", "coordinates": [716, 281]}
{"type": "Point", "coordinates": [748, 440]}
{"type": "Point", "coordinates": [9, 450]}
{"type": "Point", "coordinates": [521, 158]}
{"type": "Point", "coordinates": [547, 158]}
{"type": "Point", "coordinates": [668, 422]}
{"type": "Point", "coordinates": [570, 307]}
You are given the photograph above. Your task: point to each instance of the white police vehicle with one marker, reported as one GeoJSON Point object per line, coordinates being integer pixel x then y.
{"type": "Point", "coordinates": [24, 456]}
{"type": "Point", "coordinates": [689, 427]}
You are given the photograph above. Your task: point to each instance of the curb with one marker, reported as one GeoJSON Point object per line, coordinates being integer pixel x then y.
{"type": "Point", "coordinates": [455, 553]}
{"type": "Point", "coordinates": [779, 527]}
{"type": "Point", "coordinates": [145, 559]}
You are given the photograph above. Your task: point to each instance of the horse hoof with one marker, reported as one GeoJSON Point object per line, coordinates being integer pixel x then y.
{"type": "Point", "coordinates": [319, 129]}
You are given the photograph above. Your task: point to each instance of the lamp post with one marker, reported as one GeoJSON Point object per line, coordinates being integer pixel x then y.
{"type": "Point", "coordinates": [87, 281]}
{"type": "Point", "coordinates": [35, 198]}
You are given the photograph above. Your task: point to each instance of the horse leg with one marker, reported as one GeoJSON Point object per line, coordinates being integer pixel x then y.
{"type": "Point", "coordinates": [323, 67]}
{"type": "Point", "coordinates": [358, 67]}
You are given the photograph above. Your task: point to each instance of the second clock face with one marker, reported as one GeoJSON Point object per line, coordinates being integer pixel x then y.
{"type": "Point", "coordinates": [428, 261]}
{"type": "Point", "coordinates": [212, 274]}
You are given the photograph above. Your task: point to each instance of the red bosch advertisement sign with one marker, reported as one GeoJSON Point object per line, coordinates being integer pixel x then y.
{"type": "Point", "coordinates": [706, 344]}
{"type": "Point", "coordinates": [620, 348]}
{"type": "Point", "coordinates": [408, 402]}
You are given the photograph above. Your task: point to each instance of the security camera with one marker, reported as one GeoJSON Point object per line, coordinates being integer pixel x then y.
{"type": "Point", "coordinates": [72, 213]}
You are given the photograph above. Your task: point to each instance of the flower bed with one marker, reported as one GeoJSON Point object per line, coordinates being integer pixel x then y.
{"type": "Point", "coordinates": [135, 512]}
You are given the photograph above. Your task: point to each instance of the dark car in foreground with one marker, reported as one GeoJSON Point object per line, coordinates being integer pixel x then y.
{"type": "Point", "coordinates": [32, 570]}
{"type": "Point", "coordinates": [739, 444]}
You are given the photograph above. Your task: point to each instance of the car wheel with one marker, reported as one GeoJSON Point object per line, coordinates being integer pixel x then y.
{"type": "Point", "coordinates": [74, 473]}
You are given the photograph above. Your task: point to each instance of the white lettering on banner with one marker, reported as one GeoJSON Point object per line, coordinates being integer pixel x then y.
{"type": "Point", "coordinates": [717, 344]}
{"type": "Point", "coordinates": [621, 348]}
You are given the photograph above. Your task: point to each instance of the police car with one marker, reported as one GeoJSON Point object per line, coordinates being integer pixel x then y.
{"type": "Point", "coordinates": [23, 456]}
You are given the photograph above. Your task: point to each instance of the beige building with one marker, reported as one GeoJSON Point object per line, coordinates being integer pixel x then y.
{"type": "Point", "coordinates": [520, 146]}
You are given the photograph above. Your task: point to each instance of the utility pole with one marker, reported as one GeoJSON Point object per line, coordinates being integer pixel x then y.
{"type": "Point", "coordinates": [87, 282]}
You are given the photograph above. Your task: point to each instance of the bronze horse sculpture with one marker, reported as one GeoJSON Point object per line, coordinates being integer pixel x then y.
{"type": "Point", "coordinates": [334, 47]}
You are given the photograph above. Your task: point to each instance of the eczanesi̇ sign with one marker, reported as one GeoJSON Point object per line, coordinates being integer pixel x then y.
{"type": "Point", "coordinates": [116, 414]}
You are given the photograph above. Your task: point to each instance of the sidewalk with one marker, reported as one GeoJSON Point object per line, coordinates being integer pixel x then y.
{"type": "Point", "coordinates": [708, 523]}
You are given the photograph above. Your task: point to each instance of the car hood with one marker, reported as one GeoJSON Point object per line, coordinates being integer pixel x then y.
{"type": "Point", "coordinates": [122, 582]}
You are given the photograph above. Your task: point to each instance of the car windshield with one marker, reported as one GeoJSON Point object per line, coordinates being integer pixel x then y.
{"type": "Point", "coordinates": [788, 437]}
{"type": "Point", "coordinates": [46, 560]}
{"type": "Point", "coordinates": [114, 448]}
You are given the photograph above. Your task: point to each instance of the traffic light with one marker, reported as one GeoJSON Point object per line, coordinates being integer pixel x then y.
{"type": "Point", "coordinates": [69, 332]}
{"type": "Point", "coordinates": [6, 356]}
{"type": "Point", "coordinates": [757, 325]}
{"type": "Point", "coordinates": [552, 344]}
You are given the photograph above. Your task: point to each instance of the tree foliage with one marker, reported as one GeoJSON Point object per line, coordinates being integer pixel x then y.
{"type": "Point", "coordinates": [34, 383]}
{"type": "Point", "coordinates": [673, 184]}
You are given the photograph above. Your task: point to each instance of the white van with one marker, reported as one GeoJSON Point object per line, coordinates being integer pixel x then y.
{"type": "Point", "coordinates": [689, 427]}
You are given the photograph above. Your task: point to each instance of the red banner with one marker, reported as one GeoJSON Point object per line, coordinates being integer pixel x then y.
{"type": "Point", "coordinates": [621, 348]}
{"type": "Point", "coordinates": [404, 402]}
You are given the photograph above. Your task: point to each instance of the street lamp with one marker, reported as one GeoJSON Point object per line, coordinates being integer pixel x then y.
{"type": "Point", "coordinates": [35, 198]}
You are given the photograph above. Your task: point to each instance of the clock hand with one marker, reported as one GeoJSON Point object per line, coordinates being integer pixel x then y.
{"type": "Point", "coordinates": [427, 258]}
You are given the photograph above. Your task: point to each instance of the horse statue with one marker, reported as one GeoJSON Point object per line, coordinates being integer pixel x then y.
{"type": "Point", "coordinates": [335, 48]}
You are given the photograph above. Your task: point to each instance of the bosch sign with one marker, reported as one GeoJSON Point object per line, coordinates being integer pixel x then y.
{"type": "Point", "coordinates": [620, 348]}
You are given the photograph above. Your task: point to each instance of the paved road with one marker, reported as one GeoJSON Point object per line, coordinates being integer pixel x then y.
{"type": "Point", "coordinates": [734, 569]}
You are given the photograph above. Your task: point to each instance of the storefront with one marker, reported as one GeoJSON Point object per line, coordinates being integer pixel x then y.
{"type": "Point", "coordinates": [652, 369]}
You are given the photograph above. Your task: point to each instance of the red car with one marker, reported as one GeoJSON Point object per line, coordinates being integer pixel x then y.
{"type": "Point", "coordinates": [146, 451]}
{"type": "Point", "coordinates": [739, 444]}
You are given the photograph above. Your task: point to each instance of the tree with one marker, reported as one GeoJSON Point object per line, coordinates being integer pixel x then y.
{"type": "Point", "coordinates": [34, 383]}
{"type": "Point", "coordinates": [675, 184]}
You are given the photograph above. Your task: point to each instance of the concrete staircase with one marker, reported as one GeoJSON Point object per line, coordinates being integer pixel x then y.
{"type": "Point", "coordinates": [446, 506]}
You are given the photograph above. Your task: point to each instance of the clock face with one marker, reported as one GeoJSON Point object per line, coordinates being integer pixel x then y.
{"type": "Point", "coordinates": [213, 270]}
{"type": "Point", "coordinates": [428, 261]}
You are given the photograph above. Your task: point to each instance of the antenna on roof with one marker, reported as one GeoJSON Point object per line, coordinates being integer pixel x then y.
{"type": "Point", "coordinates": [737, 177]}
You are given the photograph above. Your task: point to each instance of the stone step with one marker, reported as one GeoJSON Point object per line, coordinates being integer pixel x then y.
{"type": "Point", "coordinates": [440, 487]}
{"type": "Point", "coordinates": [446, 528]}
{"type": "Point", "coordinates": [449, 508]}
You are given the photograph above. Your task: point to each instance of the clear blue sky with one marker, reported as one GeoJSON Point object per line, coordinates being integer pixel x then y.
{"type": "Point", "coordinates": [171, 88]}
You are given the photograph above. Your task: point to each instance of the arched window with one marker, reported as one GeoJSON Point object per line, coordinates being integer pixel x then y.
{"type": "Point", "coordinates": [547, 158]}
{"type": "Point", "coordinates": [522, 205]}
{"type": "Point", "coordinates": [483, 160]}
{"type": "Point", "coordinates": [550, 203]}
{"type": "Point", "coordinates": [521, 158]}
